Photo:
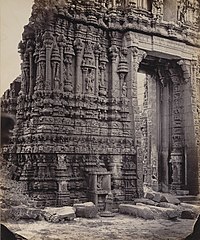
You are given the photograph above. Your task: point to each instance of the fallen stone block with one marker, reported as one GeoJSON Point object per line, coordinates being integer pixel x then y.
{"type": "Point", "coordinates": [168, 205]}
{"type": "Point", "coordinates": [171, 199]}
{"type": "Point", "coordinates": [188, 214]}
{"type": "Point", "coordinates": [80, 212]}
{"type": "Point", "coordinates": [136, 211]}
{"type": "Point", "coordinates": [163, 213]}
{"type": "Point", "coordinates": [159, 198]}
{"type": "Point", "coordinates": [83, 204]}
{"type": "Point", "coordinates": [187, 206]}
{"type": "Point", "coordinates": [148, 212]}
{"type": "Point", "coordinates": [149, 195]}
{"type": "Point", "coordinates": [59, 214]}
{"type": "Point", "coordinates": [86, 210]}
{"type": "Point", "coordinates": [145, 201]}
{"type": "Point", "coordinates": [91, 211]}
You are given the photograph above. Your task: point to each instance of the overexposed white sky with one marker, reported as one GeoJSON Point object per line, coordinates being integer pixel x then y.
{"type": "Point", "coordinates": [14, 14]}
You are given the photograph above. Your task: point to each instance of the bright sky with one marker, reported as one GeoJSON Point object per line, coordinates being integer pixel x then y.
{"type": "Point", "coordinates": [14, 14]}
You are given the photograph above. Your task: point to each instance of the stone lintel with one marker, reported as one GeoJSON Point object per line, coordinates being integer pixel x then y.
{"type": "Point", "coordinates": [161, 46]}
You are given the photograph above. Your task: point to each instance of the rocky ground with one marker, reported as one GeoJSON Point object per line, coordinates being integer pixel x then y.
{"type": "Point", "coordinates": [156, 216]}
{"type": "Point", "coordinates": [101, 228]}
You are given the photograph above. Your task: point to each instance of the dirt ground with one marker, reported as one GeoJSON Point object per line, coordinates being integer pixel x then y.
{"type": "Point", "coordinates": [119, 227]}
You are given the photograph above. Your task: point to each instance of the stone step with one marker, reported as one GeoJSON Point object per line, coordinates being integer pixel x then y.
{"type": "Point", "coordinates": [188, 198]}
{"type": "Point", "coordinates": [193, 202]}
{"type": "Point", "coordinates": [191, 199]}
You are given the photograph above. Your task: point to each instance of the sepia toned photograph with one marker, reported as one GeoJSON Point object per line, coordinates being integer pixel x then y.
{"type": "Point", "coordinates": [100, 119]}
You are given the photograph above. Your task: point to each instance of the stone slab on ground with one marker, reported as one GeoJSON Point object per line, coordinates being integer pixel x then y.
{"type": "Point", "coordinates": [171, 199]}
{"type": "Point", "coordinates": [162, 197]}
{"type": "Point", "coordinates": [164, 213]}
{"type": "Point", "coordinates": [168, 205]}
{"type": "Point", "coordinates": [59, 214]}
{"type": "Point", "coordinates": [194, 208]}
{"type": "Point", "coordinates": [148, 212]}
{"type": "Point", "coordinates": [158, 197]}
{"type": "Point", "coordinates": [145, 201]}
{"type": "Point", "coordinates": [136, 211]}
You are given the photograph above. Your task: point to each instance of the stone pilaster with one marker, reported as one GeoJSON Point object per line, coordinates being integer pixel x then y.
{"type": "Point", "coordinates": [191, 126]}
{"type": "Point", "coordinates": [68, 67]}
{"type": "Point", "coordinates": [102, 82]}
{"type": "Point", "coordinates": [97, 52]}
{"type": "Point", "coordinates": [177, 153]}
{"type": "Point", "coordinates": [122, 72]}
{"type": "Point", "coordinates": [48, 43]}
{"type": "Point", "coordinates": [134, 59]}
{"type": "Point", "coordinates": [30, 48]}
{"type": "Point", "coordinates": [78, 49]}
{"type": "Point", "coordinates": [113, 51]}
{"type": "Point", "coordinates": [61, 44]}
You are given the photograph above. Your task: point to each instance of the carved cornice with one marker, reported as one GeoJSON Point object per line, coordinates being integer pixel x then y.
{"type": "Point", "coordinates": [116, 15]}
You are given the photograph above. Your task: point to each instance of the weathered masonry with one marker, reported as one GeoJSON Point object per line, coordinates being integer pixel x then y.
{"type": "Point", "coordinates": [108, 100]}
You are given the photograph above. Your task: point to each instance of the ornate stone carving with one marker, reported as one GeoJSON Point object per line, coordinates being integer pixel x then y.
{"type": "Point", "coordinates": [157, 8]}
{"type": "Point", "coordinates": [76, 109]}
{"type": "Point", "coordinates": [176, 157]}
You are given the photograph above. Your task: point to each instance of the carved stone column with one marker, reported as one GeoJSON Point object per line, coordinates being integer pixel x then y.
{"type": "Point", "coordinates": [122, 71]}
{"type": "Point", "coordinates": [102, 83]}
{"type": "Point", "coordinates": [177, 154]}
{"type": "Point", "coordinates": [135, 56]}
{"type": "Point", "coordinates": [40, 74]}
{"type": "Point", "coordinates": [78, 77]}
{"type": "Point", "coordinates": [191, 116]}
{"type": "Point", "coordinates": [55, 62]}
{"type": "Point", "coordinates": [30, 47]}
{"type": "Point", "coordinates": [48, 43]}
{"type": "Point", "coordinates": [97, 52]}
{"type": "Point", "coordinates": [25, 73]}
{"type": "Point", "coordinates": [88, 68]}
{"type": "Point", "coordinates": [113, 54]}
{"type": "Point", "coordinates": [68, 68]}
{"type": "Point", "coordinates": [61, 44]}
{"type": "Point", "coordinates": [63, 175]}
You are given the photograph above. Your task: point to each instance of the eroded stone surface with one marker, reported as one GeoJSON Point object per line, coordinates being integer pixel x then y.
{"type": "Point", "coordinates": [59, 214]}
{"type": "Point", "coordinates": [87, 210]}
{"type": "Point", "coordinates": [76, 101]}
{"type": "Point", "coordinates": [148, 212]}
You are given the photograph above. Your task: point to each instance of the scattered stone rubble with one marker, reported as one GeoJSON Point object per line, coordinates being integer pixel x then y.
{"type": "Point", "coordinates": [160, 206]}
{"type": "Point", "coordinates": [14, 204]}
{"type": "Point", "coordinates": [154, 205]}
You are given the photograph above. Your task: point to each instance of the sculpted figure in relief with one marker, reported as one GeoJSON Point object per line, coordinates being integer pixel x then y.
{"type": "Point", "coordinates": [89, 81]}
{"type": "Point", "coordinates": [182, 10]}
{"type": "Point", "coordinates": [157, 7]}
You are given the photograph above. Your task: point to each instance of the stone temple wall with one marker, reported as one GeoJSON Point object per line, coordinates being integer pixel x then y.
{"type": "Point", "coordinates": [77, 115]}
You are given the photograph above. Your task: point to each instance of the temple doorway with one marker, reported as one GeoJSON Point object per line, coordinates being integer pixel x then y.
{"type": "Point", "coordinates": [159, 106]}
